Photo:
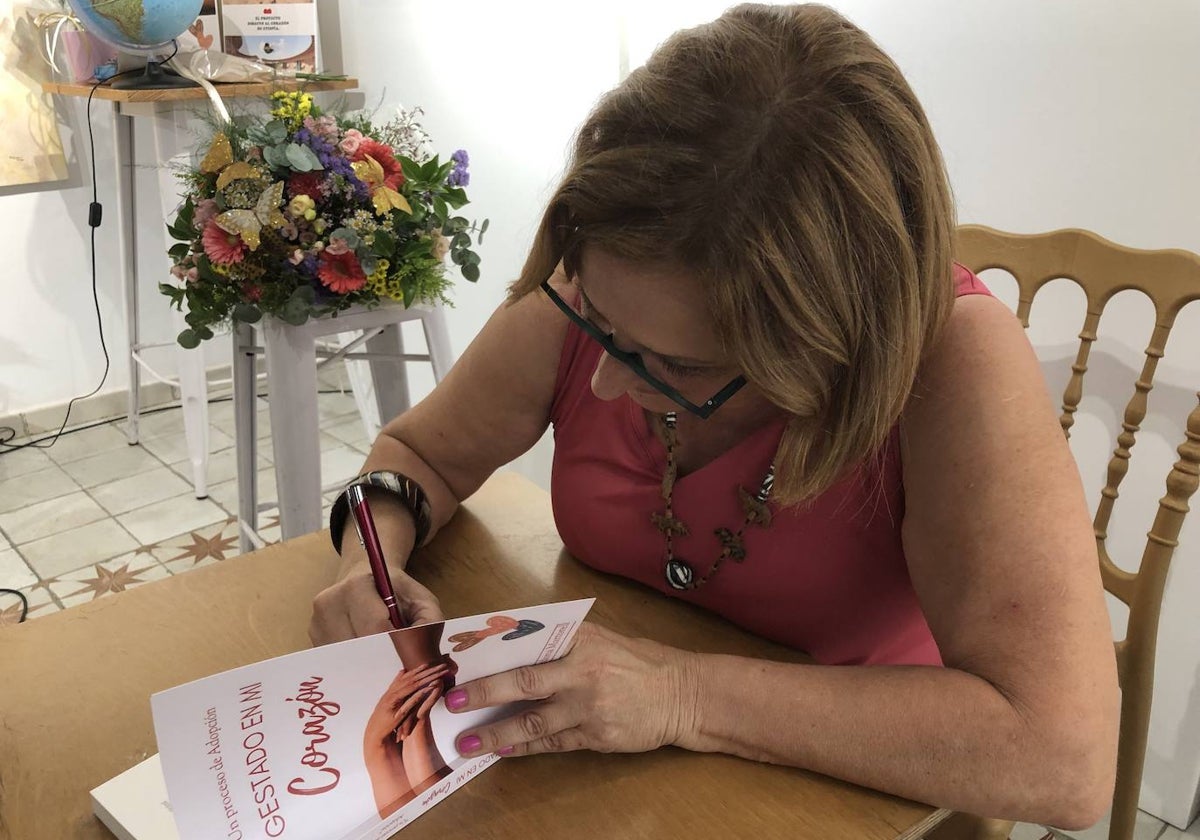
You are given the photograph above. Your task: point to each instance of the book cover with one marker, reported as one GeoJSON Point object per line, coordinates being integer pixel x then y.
{"type": "Point", "coordinates": [280, 34]}
{"type": "Point", "coordinates": [350, 740]}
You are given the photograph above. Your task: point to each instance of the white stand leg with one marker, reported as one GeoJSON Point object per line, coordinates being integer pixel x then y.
{"type": "Point", "coordinates": [245, 420]}
{"type": "Point", "coordinates": [361, 385]}
{"type": "Point", "coordinates": [437, 339]}
{"type": "Point", "coordinates": [193, 391]}
{"type": "Point", "coordinates": [292, 374]}
{"type": "Point", "coordinates": [170, 124]}
{"type": "Point", "coordinates": [127, 259]}
{"type": "Point", "coordinates": [390, 376]}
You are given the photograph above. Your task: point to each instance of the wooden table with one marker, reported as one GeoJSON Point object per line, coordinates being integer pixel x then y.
{"type": "Point", "coordinates": [75, 711]}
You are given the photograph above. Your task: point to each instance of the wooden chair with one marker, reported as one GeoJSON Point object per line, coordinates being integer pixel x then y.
{"type": "Point", "coordinates": [1171, 279]}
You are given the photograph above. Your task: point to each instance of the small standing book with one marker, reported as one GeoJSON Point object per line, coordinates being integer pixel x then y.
{"type": "Point", "coordinates": [350, 741]}
{"type": "Point", "coordinates": [283, 35]}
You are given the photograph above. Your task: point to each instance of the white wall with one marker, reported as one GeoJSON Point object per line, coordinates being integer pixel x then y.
{"type": "Point", "coordinates": [1066, 113]}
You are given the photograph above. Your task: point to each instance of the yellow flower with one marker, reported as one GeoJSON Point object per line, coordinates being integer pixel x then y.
{"type": "Point", "coordinates": [291, 106]}
{"type": "Point", "coordinates": [300, 205]}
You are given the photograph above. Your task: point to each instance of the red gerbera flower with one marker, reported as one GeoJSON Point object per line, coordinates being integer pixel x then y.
{"type": "Point", "coordinates": [304, 183]}
{"type": "Point", "coordinates": [340, 273]}
{"type": "Point", "coordinates": [222, 247]}
{"type": "Point", "coordinates": [393, 175]}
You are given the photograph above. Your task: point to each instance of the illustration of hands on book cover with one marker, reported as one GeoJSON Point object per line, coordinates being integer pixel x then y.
{"type": "Point", "coordinates": [350, 740]}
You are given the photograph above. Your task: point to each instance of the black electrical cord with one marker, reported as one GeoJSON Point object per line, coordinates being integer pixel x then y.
{"type": "Point", "coordinates": [95, 213]}
{"type": "Point", "coordinates": [24, 601]}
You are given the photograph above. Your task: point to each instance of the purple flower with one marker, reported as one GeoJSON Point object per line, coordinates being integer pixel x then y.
{"type": "Point", "coordinates": [459, 177]}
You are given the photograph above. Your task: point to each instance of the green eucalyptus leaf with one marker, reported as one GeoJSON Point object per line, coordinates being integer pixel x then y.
{"type": "Point", "coordinates": [188, 340]}
{"type": "Point", "coordinates": [204, 333]}
{"type": "Point", "coordinates": [247, 313]}
{"type": "Point", "coordinates": [470, 272]}
{"type": "Point", "coordinates": [302, 158]}
{"type": "Point", "coordinates": [348, 234]}
{"type": "Point", "coordinates": [276, 130]}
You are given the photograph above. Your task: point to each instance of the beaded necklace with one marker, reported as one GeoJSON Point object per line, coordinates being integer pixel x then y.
{"type": "Point", "coordinates": [679, 574]}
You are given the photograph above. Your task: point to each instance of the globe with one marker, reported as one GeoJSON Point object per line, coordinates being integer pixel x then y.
{"type": "Point", "coordinates": [137, 25]}
{"type": "Point", "coordinates": [140, 26]}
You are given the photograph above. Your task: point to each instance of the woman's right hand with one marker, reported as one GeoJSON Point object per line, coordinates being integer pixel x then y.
{"type": "Point", "coordinates": [352, 607]}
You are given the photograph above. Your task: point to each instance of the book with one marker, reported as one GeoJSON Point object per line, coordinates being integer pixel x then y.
{"type": "Point", "coordinates": [134, 805]}
{"type": "Point", "coordinates": [349, 741]}
{"type": "Point", "coordinates": [283, 35]}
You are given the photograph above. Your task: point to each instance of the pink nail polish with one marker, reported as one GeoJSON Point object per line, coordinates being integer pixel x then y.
{"type": "Point", "coordinates": [456, 699]}
{"type": "Point", "coordinates": [505, 751]}
{"type": "Point", "coordinates": [469, 744]}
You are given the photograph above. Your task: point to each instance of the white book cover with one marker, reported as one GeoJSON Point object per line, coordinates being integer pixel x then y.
{"type": "Point", "coordinates": [351, 740]}
{"type": "Point", "coordinates": [134, 805]}
{"type": "Point", "coordinates": [280, 34]}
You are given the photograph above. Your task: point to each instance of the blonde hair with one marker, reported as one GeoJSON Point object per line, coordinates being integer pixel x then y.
{"type": "Point", "coordinates": [779, 155]}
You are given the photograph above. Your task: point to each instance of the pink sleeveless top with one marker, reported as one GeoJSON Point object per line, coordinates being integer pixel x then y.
{"type": "Point", "coordinates": [828, 577]}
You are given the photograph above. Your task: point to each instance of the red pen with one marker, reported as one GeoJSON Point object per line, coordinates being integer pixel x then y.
{"type": "Point", "coordinates": [368, 537]}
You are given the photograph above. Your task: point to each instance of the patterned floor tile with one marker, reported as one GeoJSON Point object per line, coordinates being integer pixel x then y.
{"type": "Point", "coordinates": [116, 575]}
{"type": "Point", "coordinates": [164, 519]}
{"type": "Point", "coordinates": [40, 604]}
{"type": "Point", "coordinates": [199, 547]}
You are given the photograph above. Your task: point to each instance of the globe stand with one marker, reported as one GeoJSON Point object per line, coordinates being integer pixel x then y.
{"type": "Point", "coordinates": [154, 78]}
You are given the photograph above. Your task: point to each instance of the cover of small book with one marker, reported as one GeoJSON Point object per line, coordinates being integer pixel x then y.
{"type": "Point", "coordinates": [350, 741]}
{"type": "Point", "coordinates": [281, 34]}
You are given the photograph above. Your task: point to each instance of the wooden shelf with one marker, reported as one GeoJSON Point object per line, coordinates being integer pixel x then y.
{"type": "Point", "coordinates": [227, 90]}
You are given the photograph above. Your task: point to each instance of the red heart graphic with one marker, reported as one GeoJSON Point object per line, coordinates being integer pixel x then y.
{"type": "Point", "coordinates": [266, 11]}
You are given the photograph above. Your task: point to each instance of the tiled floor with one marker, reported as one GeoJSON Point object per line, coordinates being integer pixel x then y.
{"type": "Point", "coordinates": [93, 515]}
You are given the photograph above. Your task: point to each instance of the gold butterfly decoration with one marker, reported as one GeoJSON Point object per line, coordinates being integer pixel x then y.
{"type": "Point", "coordinates": [219, 158]}
{"type": "Point", "coordinates": [248, 224]}
{"type": "Point", "coordinates": [370, 172]}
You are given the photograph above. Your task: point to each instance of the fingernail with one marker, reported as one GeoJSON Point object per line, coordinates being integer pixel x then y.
{"type": "Point", "coordinates": [505, 751]}
{"type": "Point", "coordinates": [456, 699]}
{"type": "Point", "coordinates": [469, 744]}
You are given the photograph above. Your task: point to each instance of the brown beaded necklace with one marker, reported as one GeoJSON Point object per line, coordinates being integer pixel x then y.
{"type": "Point", "coordinates": [679, 574]}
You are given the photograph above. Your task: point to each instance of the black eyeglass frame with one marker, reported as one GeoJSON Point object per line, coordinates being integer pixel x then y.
{"type": "Point", "coordinates": [634, 362]}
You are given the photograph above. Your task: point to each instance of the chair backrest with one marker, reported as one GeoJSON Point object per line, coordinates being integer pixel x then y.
{"type": "Point", "coordinates": [1171, 279]}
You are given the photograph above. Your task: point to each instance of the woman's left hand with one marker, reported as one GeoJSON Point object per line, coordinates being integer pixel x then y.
{"type": "Point", "coordinates": [611, 693]}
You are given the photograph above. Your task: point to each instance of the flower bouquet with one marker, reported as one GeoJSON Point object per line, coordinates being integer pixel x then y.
{"type": "Point", "coordinates": [305, 214]}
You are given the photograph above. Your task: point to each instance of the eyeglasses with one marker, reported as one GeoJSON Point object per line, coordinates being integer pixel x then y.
{"type": "Point", "coordinates": [634, 362]}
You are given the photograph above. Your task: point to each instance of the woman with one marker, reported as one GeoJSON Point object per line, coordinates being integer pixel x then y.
{"type": "Point", "coordinates": [775, 395]}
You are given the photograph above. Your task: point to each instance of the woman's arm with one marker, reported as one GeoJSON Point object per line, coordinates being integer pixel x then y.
{"type": "Point", "coordinates": [492, 406]}
{"type": "Point", "coordinates": [1022, 721]}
